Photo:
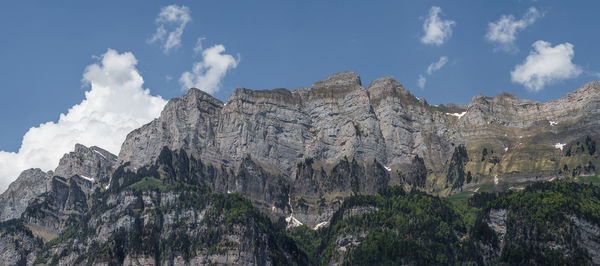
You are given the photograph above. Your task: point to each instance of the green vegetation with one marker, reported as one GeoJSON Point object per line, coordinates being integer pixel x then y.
{"type": "Point", "coordinates": [401, 228]}
{"type": "Point", "coordinates": [148, 183]}
{"type": "Point", "coordinates": [14, 227]}
{"type": "Point", "coordinates": [590, 179]}
{"type": "Point", "coordinates": [397, 227]}
{"type": "Point", "coordinates": [63, 237]}
{"type": "Point", "coordinates": [538, 216]}
{"type": "Point", "coordinates": [392, 227]}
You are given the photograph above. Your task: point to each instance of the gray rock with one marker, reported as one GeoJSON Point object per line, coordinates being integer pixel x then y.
{"type": "Point", "coordinates": [589, 237]}
{"type": "Point", "coordinates": [93, 162]}
{"type": "Point", "coordinates": [339, 118]}
{"type": "Point", "coordinates": [30, 184]}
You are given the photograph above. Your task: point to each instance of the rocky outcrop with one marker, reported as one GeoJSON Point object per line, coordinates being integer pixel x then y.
{"type": "Point", "coordinates": [589, 237]}
{"type": "Point", "coordinates": [498, 222]}
{"type": "Point", "coordinates": [30, 184]}
{"type": "Point", "coordinates": [62, 206]}
{"type": "Point", "coordinates": [182, 226]}
{"type": "Point", "coordinates": [92, 164]}
{"type": "Point", "coordinates": [18, 246]}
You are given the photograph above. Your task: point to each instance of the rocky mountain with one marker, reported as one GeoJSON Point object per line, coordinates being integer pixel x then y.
{"type": "Point", "coordinates": [93, 163]}
{"type": "Point", "coordinates": [500, 141]}
{"type": "Point", "coordinates": [70, 184]}
{"type": "Point", "coordinates": [335, 173]}
{"type": "Point", "coordinates": [30, 184]}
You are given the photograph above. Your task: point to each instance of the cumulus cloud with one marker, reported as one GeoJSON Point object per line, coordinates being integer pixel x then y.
{"type": "Point", "coordinates": [170, 24]}
{"type": "Point", "coordinates": [421, 81]}
{"type": "Point", "coordinates": [115, 105]}
{"type": "Point", "coordinates": [546, 64]}
{"type": "Point", "coordinates": [207, 74]}
{"type": "Point", "coordinates": [437, 30]}
{"type": "Point", "coordinates": [435, 66]}
{"type": "Point", "coordinates": [503, 32]}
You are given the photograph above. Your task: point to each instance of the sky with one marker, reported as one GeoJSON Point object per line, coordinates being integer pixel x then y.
{"type": "Point", "coordinates": [91, 71]}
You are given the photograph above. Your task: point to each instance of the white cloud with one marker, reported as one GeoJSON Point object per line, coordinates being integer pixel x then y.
{"type": "Point", "coordinates": [546, 65]}
{"type": "Point", "coordinates": [421, 82]}
{"type": "Point", "coordinates": [170, 24]}
{"type": "Point", "coordinates": [435, 66]}
{"type": "Point", "coordinates": [114, 106]}
{"type": "Point", "coordinates": [437, 30]}
{"type": "Point", "coordinates": [198, 47]}
{"type": "Point", "coordinates": [207, 74]}
{"type": "Point", "coordinates": [504, 31]}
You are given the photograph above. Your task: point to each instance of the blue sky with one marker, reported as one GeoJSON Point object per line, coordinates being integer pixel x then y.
{"type": "Point", "coordinates": [45, 48]}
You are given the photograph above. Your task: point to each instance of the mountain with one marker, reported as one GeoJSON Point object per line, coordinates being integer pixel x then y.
{"type": "Point", "coordinates": [545, 224]}
{"type": "Point", "coordinates": [91, 164]}
{"type": "Point", "coordinates": [335, 173]}
{"type": "Point", "coordinates": [300, 137]}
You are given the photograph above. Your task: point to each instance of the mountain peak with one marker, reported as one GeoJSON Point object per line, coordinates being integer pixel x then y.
{"type": "Point", "coordinates": [93, 162]}
{"type": "Point", "coordinates": [345, 78]}
{"type": "Point", "coordinates": [592, 87]}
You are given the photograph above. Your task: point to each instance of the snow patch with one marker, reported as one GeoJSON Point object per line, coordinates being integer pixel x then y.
{"type": "Point", "coordinates": [505, 148]}
{"type": "Point", "coordinates": [100, 154]}
{"type": "Point", "coordinates": [459, 115]}
{"type": "Point", "coordinates": [387, 168]}
{"type": "Point", "coordinates": [559, 146]}
{"type": "Point", "coordinates": [292, 222]}
{"type": "Point", "coordinates": [87, 178]}
{"type": "Point", "coordinates": [552, 123]}
{"type": "Point", "coordinates": [319, 225]}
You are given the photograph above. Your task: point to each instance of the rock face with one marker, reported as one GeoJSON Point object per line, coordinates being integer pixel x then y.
{"type": "Point", "coordinates": [30, 184]}
{"type": "Point", "coordinates": [92, 163]}
{"type": "Point", "coordinates": [589, 237]}
{"type": "Point", "coordinates": [54, 200]}
{"type": "Point", "coordinates": [18, 246]}
{"type": "Point", "coordinates": [61, 206]}
{"type": "Point", "coordinates": [338, 119]}
{"type": "Point", "coordinates": [175, 227]}
{"type": "Point", "coordinates": [316, 156]}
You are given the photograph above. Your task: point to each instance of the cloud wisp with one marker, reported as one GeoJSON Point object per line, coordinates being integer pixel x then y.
{"type": "Point", "coordinates": [437, 30]}
{"type": "Point", "coordinates": [503, 33]}
{"type": "Point", "coordinates": [171, 22]}
{"type": "Point", "coordinates": [198, 47]}
{"type": "Point", "coordinates": [546, 64]}
{"type": "Point", "coordinates": [421, 81]}
{"type": "Point", "coordinates": [433, 67]}
{"type": "Point", "coordinates": [207, 74]}
{"type": "Point", "coordinates": [115, 105]}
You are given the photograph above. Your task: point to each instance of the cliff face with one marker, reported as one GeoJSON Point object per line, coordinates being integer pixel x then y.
{"type": "Point", "coordinates": [382, 125]}
{"type": "Point", "coordinates": [150, 221]}
{"type": "Point", "coordinates": [91, 163]}
{"type": "Point", "coordinates": [54, 200]}
{"type": "Point", "coordinates": [176, 194]}
{"type": "Point", "coordinates": [30, 184]}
